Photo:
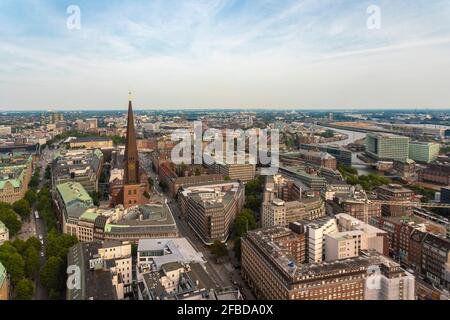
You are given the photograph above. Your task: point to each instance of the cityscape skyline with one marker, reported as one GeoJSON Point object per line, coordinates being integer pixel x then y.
{"type": "Point", "coordinates": [237, 54]}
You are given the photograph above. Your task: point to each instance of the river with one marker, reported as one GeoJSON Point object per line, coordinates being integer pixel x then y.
{"type": "Point", "coordinates": [353, 136]}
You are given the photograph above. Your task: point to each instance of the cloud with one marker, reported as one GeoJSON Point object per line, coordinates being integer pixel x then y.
{"type": "Point", "coordinates": [219, 53]}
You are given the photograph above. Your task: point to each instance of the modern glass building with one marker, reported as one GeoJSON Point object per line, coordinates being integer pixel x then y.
{"type": "Point", "coordinates": [385, 147]}
{"type": "Point", "coordinates": [423, 151]}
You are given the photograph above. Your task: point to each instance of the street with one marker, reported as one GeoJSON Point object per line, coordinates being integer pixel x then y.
{"type": "Point", "coordinates": [40, 226]}
{"type": "Point", "coordinates": [223, 274]}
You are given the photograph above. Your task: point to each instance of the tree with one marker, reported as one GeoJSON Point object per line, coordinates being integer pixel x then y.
{"type": "Point", "coordinates": [32, 261]}
{"type": "Point", "coordinates": [33, 242]}
{"type": "Point", "coordinates": [197, 172]}
{"type": "Point", "coordinates": [58, 245]}
{"type": "Point", "coordinates": [218, 249]}
{"type": "Point", "coordinates": [24, 289]}
{"type": "Point", "coordinates": [9, 217]}
{"type": "Point", "coordinates": [22, 208]}
{"type": "Point", "coordinates": [48, 172]}
{"type": "Point", "coordinates": [244, 222]}
{"type": "Point", "coordinates": [52, 275]}
{"type": "Point", "coordinates": [237, 248]}
{"type": "Point", "coordinates": [12, 261]}
{"type": "Point", "coordinates": [20, 245]}
{"type": "Point", "coordinates": [31, 196]}
{"type": "Point", "coordinates": [252, 202]}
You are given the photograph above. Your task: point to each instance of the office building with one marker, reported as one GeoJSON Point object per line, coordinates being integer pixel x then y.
{"type": "Point", "coordinates": [343, 156]}
{"type": "Point", "coordinates": [435, 173]}
{"type": "Point", "coordinates": [399, 231]}
{"type": "Point", "coordinates": [311, 181]}
{"type": "Point", "coordinates": [15, 174]}
{"type": "Point", "coordinates": [394, 192]}
{"type": "Point", "coordinates": [424, 152]}
{"type": "Point", "coordinates": [168, 175]}
{"type": "Point", "coordinates": [283, 203]}
{"type": "Point", "coordinates": [385, 147]}
{"type": "Point", "coordinates": [82, 166]}
{"type": "Point", "coordinates": [321, 159]}
{"type": "Point", "coordinates": [244, 172]}
{"type": "Point", "coordinates": [435, 259]}
{"type": "Point", "coordinates": [72, 201]}
{"type": "Point", "coordinates": [177, 281]}
{"type": "Point", "coordinates": [152, 254]}
{"type": "Point", "coordinates": [272, 271]}
{"type": "Point", "coordinates": [210, 209]}
{"type": "Point", "coordinates": [390, 282]}
{"type": "Point", "coordinates": [405, 168]}
{"type": "Point", "coordinates": [105, 271]}
{"type": "Point", "coordinates": [94, 142]}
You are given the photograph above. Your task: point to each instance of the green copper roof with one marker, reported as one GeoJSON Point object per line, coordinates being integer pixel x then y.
{"type": "Point", "coordinates": [89, 215]}
{"type": "Point", "coordinates": [108, 226]}
{"type": "Point", "coordinates": [73, 191]}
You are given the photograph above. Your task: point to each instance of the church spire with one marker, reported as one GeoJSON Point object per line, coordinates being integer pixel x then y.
{"type": "Point", "coordinates": [131, 174]}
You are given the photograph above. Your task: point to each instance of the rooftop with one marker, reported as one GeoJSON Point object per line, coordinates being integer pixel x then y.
{"type": "Point", "coordinates": [73, 191]}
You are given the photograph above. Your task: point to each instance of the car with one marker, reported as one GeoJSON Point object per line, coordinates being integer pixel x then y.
{"type": "Point", "coordinates": [41, 237]}
{"type": "Point", "coordinates": [42, 253]}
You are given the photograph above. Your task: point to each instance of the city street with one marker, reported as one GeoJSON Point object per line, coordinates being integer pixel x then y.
{"type": "Point", "coordinates": [40, 226]}
{"type": "Point", "coordinates": [223, 276]}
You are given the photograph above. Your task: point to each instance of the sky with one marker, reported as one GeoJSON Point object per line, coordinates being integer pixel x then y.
{"type": "Point", "coordinates": [299, 54]}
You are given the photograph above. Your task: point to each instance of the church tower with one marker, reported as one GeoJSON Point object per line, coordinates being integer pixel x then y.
{"type": "Point", "coordinates": [132, 194]}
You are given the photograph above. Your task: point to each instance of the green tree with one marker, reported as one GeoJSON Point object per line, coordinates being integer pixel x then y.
{"type": "Point", "coordinates": [52, 275]}
{"type": "Point", "coordinates": [24, 289]}
{"type": "Point", "coordinates": [244, 222]}
{"type": "Point", "coordinates": [9, 217]}
{"type": "Point", "coordinates": [20, 246]}
{"type": "Point", "coordinates": [218, 249]}
{"type": "Point", "coordinates": [252, 202]}
{"type": "Point", "coordinates": [33, 242]}
{"type": "Point", "coordinates": [48, 172]}
{"type": "Point", "coordinates": [22, 208]}
{"type": "Point", "coordinates": [32, 261]}
{"type": "Point", "coordinates": [12, 261]}
{"type": "Point", "coordinates": [31, 196]}
{"type": "Point", "coordinates": [58, 245]}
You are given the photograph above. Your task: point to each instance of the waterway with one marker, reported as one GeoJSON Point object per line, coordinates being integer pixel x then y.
{"type": "Point", "coordinates": [363, 169]}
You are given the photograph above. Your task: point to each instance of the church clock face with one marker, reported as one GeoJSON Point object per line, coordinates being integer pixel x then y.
{"type": "Point", "coordinates": [131, 166]}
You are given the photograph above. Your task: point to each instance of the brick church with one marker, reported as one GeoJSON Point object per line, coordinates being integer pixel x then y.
{"type": "Point", "coordinates": [130, 190]}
